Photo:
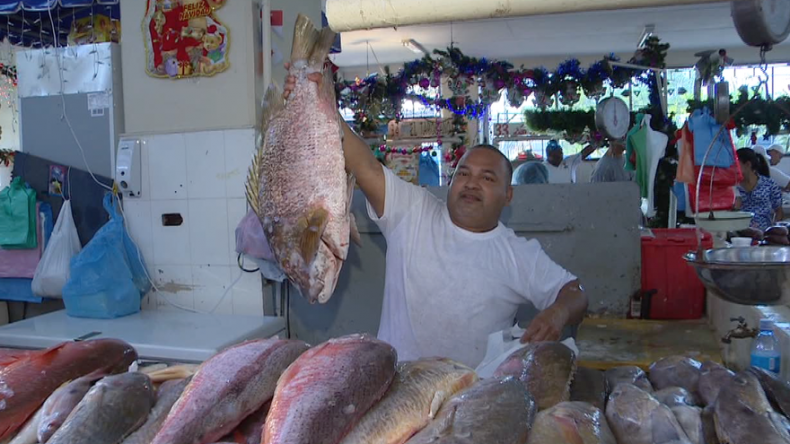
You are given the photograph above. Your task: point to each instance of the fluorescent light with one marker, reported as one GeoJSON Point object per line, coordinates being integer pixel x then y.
{"type": "Point", "coordinates": [646, 34]}
{"type": "Point", "coordinates": [414, 46]}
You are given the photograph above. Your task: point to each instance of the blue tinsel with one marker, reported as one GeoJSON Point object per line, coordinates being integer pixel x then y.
{"type": "Point", "coordinates": [570, 68]}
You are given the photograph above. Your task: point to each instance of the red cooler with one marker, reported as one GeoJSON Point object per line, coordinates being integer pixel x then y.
{"type": "Point", "coordinates": [679, 294]}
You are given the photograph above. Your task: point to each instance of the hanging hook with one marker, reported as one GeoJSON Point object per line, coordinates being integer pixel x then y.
{"type": "Point", "coordinates": [764, 76]}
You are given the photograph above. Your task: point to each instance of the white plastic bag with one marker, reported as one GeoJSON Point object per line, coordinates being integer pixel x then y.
{"type": "Point", "coordinates": [53, 270]}
{"type": "Point", "coordinates": [502, 344]}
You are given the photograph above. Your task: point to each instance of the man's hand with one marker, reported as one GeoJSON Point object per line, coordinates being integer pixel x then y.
{"type": "Point", "coordinates": [546, 326]}
{"type": "Point", "coordinates": [290, 81]}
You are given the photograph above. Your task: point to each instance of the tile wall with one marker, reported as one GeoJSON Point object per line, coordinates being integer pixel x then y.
{"type": "Point", "coordinates": [201, 177]}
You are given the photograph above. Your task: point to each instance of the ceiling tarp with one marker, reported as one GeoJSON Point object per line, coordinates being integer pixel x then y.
{"type": "Point", "coordinates": [14, 6]}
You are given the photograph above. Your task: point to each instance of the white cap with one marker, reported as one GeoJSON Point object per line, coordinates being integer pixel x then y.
{"type": "Point", "coordinates": [759, 149]}
{"type": "Point", "coordinates": [766, 324]}
{"type": "Point", "coordinates": [776, 147]}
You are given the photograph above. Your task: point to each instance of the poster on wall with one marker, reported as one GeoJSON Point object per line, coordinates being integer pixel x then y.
{"type": "Point", "coordinates": [184, 38]}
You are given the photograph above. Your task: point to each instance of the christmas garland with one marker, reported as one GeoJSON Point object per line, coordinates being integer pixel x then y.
{"type": "Point", "coordinates": [377, 99]}
{"type": "Point", "coordinates": [7, 157]}
{"type": "Point", "coordinates": [773, 114]}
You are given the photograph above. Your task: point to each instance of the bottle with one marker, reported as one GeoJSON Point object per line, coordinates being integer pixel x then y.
{"type": "Point", "coordinates": [765, 349]}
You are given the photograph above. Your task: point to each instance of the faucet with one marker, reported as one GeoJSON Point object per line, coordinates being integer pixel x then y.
{"type": "Point", "coordinates": [742, 331]}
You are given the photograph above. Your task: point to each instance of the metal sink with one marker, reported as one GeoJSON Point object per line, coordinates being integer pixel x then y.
{"type": "Point", "coordinates": [746, 276]}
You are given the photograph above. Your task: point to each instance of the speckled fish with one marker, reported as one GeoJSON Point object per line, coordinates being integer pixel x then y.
{"type": "Point", "coordinates": [638, 418]}
{"type": "Point", "coordinates": [571, 423]}
{"type": "Point", "coordinates": [113, 408]}
{"type": "Point", "coordinates": [712, 378]}
{"type": "Point", "coordinates": [777, 391]}
{"type": "Point", "coordinates": [166, 396]}
{"type": "Point", "coordinates": [675, 396]}
{"type": "Point", "coordinates": [493, 410]}
{"type": "Point", "coordinates": [545, 368]}
{"type": "Point", "coordinates": [418, 391]}
{"type": "Point", "coordinates": [676, 371]}
{"type": "Point", "coordinates": [226, 389]}
{"type": "Point", "coordinates": [627, 374]}
{"type": "Point", "coordinates": [27, 380]}
{"type": "Point", "coordinates": [60, 404]}
{"type": "Point", "coordinates": [743, 415]}
{"type": "Point", "coordinates": [325, 392]}
{"type": "Point", "coordinates": [589, 385]}
{"type": "Point", "coordinates": [250, 431]}
{"type": "Point", "coordinates": [298, 185]}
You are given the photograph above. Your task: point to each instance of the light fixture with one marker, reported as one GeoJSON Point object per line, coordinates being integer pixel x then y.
{"type": "Point", "coordinates": [414, 46]}
{"type": "Point", "coordinates": [646, 34]}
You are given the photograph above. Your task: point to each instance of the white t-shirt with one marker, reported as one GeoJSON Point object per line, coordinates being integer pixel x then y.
{"type": "Point", "coordinates": [566, 172]}
{"type": "Point", "coordinates": [446, 289]}
{"type": "Point", "coordinates": [780, 177]}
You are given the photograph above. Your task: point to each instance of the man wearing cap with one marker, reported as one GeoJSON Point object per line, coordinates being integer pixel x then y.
{"type": "Point", "coordinates": [774, 155]}
{"type": "Point", "coordinates": [561, 169]}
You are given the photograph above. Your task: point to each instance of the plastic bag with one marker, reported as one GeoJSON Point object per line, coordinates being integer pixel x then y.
{"type": "Point", "coordinates": [108, 277]}
{"type": "Point", "coordinates": [251, 240]}
{"type": "Point", "coordinates": [685, 172]}
{"type": "Point", "coordinates": [18, 216]}
{"type": "Point", "coordinates": [53, 270]}
{"type": "Point", "coordinates": [704, 128]}
{"type": "Point", "coordinates": [502, 344]}
{"type": "Point", "coordinates": [723, 199]}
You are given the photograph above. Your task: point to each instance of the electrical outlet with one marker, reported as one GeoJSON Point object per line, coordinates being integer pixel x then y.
{"type": "Point", "coordinates": [127, 168]}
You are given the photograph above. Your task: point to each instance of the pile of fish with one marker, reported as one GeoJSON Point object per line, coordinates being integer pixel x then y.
{"type": "Point", "coordinates": [353, 390]}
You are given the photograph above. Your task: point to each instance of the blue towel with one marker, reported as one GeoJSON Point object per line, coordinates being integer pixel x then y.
{"type": "Point", "coordinates": [19, 290]}
{"type": "Point", "coordinates": [704, 127]}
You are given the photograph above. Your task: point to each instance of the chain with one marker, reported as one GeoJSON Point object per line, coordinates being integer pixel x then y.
{"type": "Point", "coordinates": [764, 77]}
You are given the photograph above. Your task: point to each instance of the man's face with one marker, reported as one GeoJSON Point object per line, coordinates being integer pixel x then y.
{"type": "Point", "coordinates": [555, 156]}
{"type": "Point", "coordinates": [775, 156]}
{"type": "Point", "coordinates": [480, 189]}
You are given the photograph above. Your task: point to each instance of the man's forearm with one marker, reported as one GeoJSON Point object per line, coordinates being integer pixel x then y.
{"type": "Point", "coordinates": [361, 162]}
{"type": "Point", "coordinates": [572, 302]}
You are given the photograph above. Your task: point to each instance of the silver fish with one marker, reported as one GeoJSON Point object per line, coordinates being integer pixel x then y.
{"type": "Point", "coordinates": [115, 407]}
{"type": "Point", "coordinates": [27, 435]}
{"type": "Point", "coordinates": [571, 423]}
{"type": "Point", "coordinates": [676, 371]}
{"type": "Point", "coordinates": [637, 418]}
{"type": "Point", "coordinates": [298, 185]}
{"type": "Point", "coordinates": [60, 404]}
{"type": "Point", "coordinates": [166, 396]}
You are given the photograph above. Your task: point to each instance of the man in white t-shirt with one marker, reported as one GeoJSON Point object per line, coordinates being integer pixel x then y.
{"type": "Point", "coordinates": [454, 272]}
{"type": "Point", "coordinates": [563, 169]}
{"type": "Point", "coordinates": [774, 154]}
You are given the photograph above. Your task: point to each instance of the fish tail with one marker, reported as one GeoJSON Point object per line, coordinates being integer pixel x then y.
{"type": "Point", "coordinates": [323, 44]}
{"type": "Point", "coordinates": [305, 36]}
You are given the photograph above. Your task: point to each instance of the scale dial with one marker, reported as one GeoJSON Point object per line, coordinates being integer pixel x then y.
{"type": "Point", "coordinates": [761, 22]}
{"type": "Point", "coordinates": [613, 118]}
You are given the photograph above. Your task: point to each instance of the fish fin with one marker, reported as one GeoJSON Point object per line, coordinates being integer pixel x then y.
{"type": "Point", "coordinates": [436, 403]}
{"type": "Point", "coordinates": [310, 237]}
{"type": "Point", "coordinates": [305, 36]}
{"type": "Point", "coordinates": [321, 47]}
{"type": "Point", "coordinates": [354, 230]}
{"type": "Point", "coordinates": [272, 104]}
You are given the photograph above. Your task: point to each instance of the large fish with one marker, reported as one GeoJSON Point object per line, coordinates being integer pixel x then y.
{"type": "Point", "coordinates": [26, 381]}
{"type": "Point", "coordinates": [712, 378]}
{"type": "Point", "coordinates": [571, 423]}
{"type": "Point", "coordinates": [325, 392]}
{"type": "Point", "coordinates": [250, 431]}
{"type": "Point", "coordinates": [545, 368]}
{"type": "Point", "coordinates": [589, 385]}
{"type": "Point", "coordinates": [676, 371]}
{"type": "Point", "coordinates": [690, 418]}
{"type": "Point", "coordinates": [742, 414]}
{"type": "Point", "coordinates": [298, 185]}
{"type": "Point", "coordinates": [60, 404]}
{"type": "Point", "coordinates": [112, 409]}
{"type": "Point", "coordinates": [628, 374]}
{"type": "Point", "coordinates": [636, 417]}
{"type": "Point", "coordinates": [675, 396]}
{"type": "Point", "coordinates": [28, 433]}
{"type": "Point", "coordinates": [493, 410]}
{"type": "Point", "coordinates": [226, 389]}
{"type": "Point", "coordinates": [777, 391]}
{"type": "Point", "coordinates": [166, 396]}
{"type": "Point", "coordinates": [418, 391]}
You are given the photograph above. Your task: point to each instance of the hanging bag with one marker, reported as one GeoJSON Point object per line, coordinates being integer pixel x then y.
{"type": "Point", "coordinates": [53, 270]}
{"type": "Point", "coordinates": [18, 216]}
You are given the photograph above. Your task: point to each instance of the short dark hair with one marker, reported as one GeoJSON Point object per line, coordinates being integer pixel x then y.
{"type": "Point", "coordinates": [484, 146]}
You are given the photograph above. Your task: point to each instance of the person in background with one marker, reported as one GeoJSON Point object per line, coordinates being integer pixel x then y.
{"type": "Point", "coordinates": [611, 166]}
{"type": "Point", "coordinates": [775, 153]}
{"type": "Point", "coordinates": [531, 173]}
{"type": "Point", "coordinates": [758, 193]}
{"type": "Point", "coordinates": [560, 168]}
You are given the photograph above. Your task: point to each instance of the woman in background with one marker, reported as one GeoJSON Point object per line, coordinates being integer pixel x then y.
{"type": "Point", "coordinates": [758, 193]}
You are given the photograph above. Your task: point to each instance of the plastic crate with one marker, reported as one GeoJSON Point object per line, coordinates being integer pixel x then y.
{"type": "Point", "coordinates": [679, 294]}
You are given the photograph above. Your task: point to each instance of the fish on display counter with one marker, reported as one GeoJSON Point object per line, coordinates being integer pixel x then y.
{"type": "Point", "coordinates": [115, 407]}
{"type": "Point", "coordinates": [29, 432]}
{"type": "Point", "coordinates": [743, 415]}
{"type": "Point", "coordinates": [49, 369]}
{"type": "Point", "coordinates": [60, 404]}
{"type": "Point", "coordinates": [545, 368]}
{"type": "Point", "coordinates": [589, 385]}
{"type": "Point", "coordinates": [328, 389]}
{"type": "Point", "coordinates": [628, 374]}
{"type": "Point", "coordinates": [676, 371]}
{"type": "Point", "coordinates": [690, 419]}
{"type": "Point", "coordinates": [675, 396]}
{"type": "Point", "coordinates": [494, 410]}
{"type": "Point", "coordinates": [777, 391]}
{"type": "Point", "coordinates": [250, 431]}
{"type": "Point", "coordinates": [226, 389]}
{"type": "Point", "coordinates": [713, 376]}
{"type": "Point", "coordinates": [636, 417]}
{"type": "Point", "coordinates": [571, 423]}
{"type": "Point", "coordinates": [298, 185]}
{"type": "Point", "coordinates": [167, 395]}
{"type": "Point", "coordinates": [418, 391]}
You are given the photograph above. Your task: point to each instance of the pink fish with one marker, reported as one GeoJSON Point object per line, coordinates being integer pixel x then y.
{"type": "Point", "coordinates": [325, 392]}
{"type": "Point", "coordinates": [298, 185]}
{"type": "Point", "coordinates": [226, 389]}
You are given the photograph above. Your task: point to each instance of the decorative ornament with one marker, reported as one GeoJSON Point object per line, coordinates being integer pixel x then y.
{"type": "Point", "coordinates": [184, 38]}
{"type": "Point", "coordinates": [570, 96]}
{"type": "Point", "coordinates": [543, 101]}
{"type": "Point", "coordinates": [7, 157]}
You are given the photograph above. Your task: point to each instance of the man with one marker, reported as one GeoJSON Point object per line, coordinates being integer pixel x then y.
{"type": "Point", "coordinates": [774, 155]}
{"type": "Point", "coordinates": [455, 273]}
{"type": "Point", "coordinates": [561, 169]}
{"type": "Point", "coordinates": [611, 167]}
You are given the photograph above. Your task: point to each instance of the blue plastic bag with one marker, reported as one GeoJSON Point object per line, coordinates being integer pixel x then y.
{"type": "Point", "coordinates": [704, 128]}
{"type": "Point", "coordinates": [108, 277]}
